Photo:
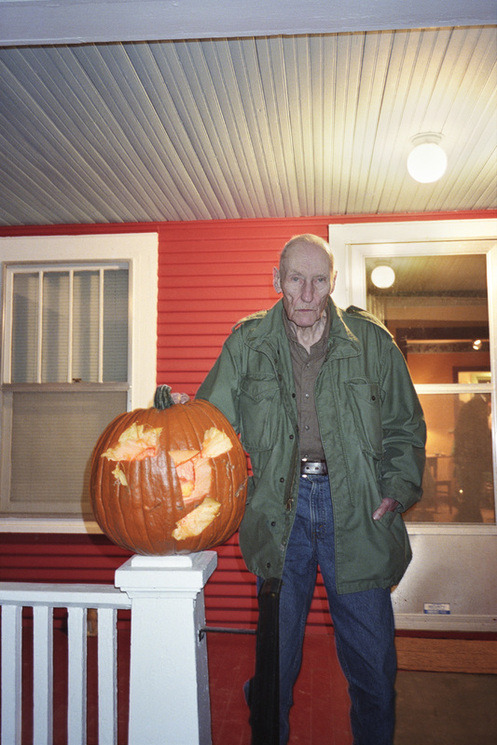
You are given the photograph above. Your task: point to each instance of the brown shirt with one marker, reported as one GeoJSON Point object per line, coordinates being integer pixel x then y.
{"type": "Point", "coordinates": [306, 367]}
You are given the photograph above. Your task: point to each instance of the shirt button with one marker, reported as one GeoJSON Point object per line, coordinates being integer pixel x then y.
{"type": "Point", "coordinates": [307, 395]}
{"type": "Point", "coordinates": [307, 427]}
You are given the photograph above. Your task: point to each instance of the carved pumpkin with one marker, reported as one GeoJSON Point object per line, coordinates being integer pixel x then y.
{"type": "Point", "coordinates": [171, 479]}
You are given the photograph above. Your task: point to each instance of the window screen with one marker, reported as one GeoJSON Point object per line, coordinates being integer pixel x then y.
{"type": "Point", "coordinates": [65, 378]}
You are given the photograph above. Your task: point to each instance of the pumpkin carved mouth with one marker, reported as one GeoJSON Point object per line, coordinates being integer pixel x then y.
{"type": "Point", "coordinates": [195, 474]}
{"type": "Point", "coordinates": [197, 520]}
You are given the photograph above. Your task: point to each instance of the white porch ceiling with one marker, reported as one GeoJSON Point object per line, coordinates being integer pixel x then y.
{"type": "Point", "coordinates": [244, 126]}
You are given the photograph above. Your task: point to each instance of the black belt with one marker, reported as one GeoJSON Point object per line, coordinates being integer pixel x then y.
{"type": "Point", "coordinates": [313, 467]}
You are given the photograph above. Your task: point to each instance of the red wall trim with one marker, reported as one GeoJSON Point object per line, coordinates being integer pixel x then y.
{"type": "Point", "coordinates": [193, 226]}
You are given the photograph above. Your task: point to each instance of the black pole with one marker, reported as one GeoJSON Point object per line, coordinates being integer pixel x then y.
{"type": "Point", "coordinates": [264, 696]}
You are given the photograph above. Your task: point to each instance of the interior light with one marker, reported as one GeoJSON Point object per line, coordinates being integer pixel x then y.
{"type": "Point", "coordinates": [383, 276]}
{"type": "Point", "coordinates": [477, 344]}
{"type": "Point", "coordinates": [427, 161]}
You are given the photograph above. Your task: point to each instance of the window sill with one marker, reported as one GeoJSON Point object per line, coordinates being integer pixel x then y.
{"type": "Point", "coordinates": [34, 524]}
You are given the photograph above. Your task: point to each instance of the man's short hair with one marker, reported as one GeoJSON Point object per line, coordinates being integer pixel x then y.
{"type": "Point", "coordinates": [307, 238]}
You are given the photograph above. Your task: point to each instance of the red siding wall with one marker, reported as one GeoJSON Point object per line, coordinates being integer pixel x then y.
{"type": "Point", "coordinates": [211, 274]}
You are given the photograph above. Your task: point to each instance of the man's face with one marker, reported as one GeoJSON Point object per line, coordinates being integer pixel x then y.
{"type": "Point", "coordinates": [306, 282]}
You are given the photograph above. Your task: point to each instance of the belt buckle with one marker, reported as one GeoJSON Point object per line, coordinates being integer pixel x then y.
{"type": "Point", "coordinates": [312, 468]}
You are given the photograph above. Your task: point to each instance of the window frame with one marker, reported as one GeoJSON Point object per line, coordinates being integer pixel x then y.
{"type": "Point", "coordinates": [140, 252]}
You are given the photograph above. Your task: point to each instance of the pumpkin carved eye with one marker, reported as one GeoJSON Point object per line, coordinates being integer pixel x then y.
{"type": "Point", "coordinates": [170, 479]}
{"type": "Point", "coordinates": [135, 443]}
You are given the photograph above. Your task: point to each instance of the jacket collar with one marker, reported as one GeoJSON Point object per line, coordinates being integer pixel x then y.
{"type": "Point", "coordinates": [270, 333]}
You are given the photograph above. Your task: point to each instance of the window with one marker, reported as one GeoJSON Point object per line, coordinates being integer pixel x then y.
{"type": "Point", "coordinates": [437, 311]}
{"type": "Point", "coordinates": [440, 309]}
{"type": "Point", "coordinates": [75, 353]}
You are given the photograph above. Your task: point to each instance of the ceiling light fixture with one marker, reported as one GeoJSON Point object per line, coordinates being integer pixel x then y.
{"type": "Point", "coordinates": [383, 276]}
{"type": "Point", "coordinates": [427, 161]}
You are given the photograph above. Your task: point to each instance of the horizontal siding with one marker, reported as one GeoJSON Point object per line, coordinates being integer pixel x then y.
{"type": "Point", "coordinates": [41, 557]}
{"type": "Point", "coordinates": [230, 596]}
{"type": "Point", "coordinates": [211, 274]}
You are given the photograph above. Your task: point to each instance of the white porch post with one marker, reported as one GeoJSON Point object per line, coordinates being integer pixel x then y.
{"type": "Point", "coordinates": [169, 682]}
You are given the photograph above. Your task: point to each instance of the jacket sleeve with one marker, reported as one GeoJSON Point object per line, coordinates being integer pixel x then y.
{"type": "Point", "coordinates": [221, 384]}
{"type": "Point", "coordinates": [404, 432]}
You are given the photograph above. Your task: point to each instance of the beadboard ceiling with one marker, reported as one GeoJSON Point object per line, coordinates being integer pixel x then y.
{"type": "Point", "coordinates": [243, 126]}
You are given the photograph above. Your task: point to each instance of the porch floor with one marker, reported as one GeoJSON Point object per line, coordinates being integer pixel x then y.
{"type": "Point", "coordinates": [433, 708]}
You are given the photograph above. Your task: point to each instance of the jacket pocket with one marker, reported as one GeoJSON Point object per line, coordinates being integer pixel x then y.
{"type": "Point", "coordinates": [365, 402]}
{"type": "Point", "coordinates": [259, 402]}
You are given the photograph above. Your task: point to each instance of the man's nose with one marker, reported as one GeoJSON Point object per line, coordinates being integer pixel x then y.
{"type": "Point", "coordinates": [307, 292]}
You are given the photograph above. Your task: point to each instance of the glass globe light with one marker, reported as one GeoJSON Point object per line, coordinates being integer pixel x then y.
{"type": "Point", "coordinates": [383, 276]}
{"type": "Point", "coordinates": [427, 161]}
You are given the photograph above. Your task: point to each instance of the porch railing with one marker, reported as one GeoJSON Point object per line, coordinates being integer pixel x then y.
{"type": "Point", "coordinates": [168, 665]}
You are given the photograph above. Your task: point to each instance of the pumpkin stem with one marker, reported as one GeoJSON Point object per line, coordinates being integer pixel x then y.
{"type": "Point", "coordinates": [163, 398]}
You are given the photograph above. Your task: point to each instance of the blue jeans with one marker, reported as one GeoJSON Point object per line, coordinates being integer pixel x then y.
{"type": "Point", "coordinates": [363, 622]}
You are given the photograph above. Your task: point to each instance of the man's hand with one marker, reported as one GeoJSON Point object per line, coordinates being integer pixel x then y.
{"type": "Point", "coordinates": [180, 398]}
{"type": "Point", "coordinates": [387, 505]}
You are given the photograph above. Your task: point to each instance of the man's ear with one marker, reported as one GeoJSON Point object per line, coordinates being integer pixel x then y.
{"type": "Point", "coordinates": [333, 281]}
{"type": "Point", "coordinates": [276, 279]}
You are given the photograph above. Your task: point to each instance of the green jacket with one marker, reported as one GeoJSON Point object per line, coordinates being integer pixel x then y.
{"type": "Point", "coordinates": [373, 434]}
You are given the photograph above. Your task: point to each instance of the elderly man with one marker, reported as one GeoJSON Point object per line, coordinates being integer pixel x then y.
{"type": "Point", "coordinates": [326, 409]}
